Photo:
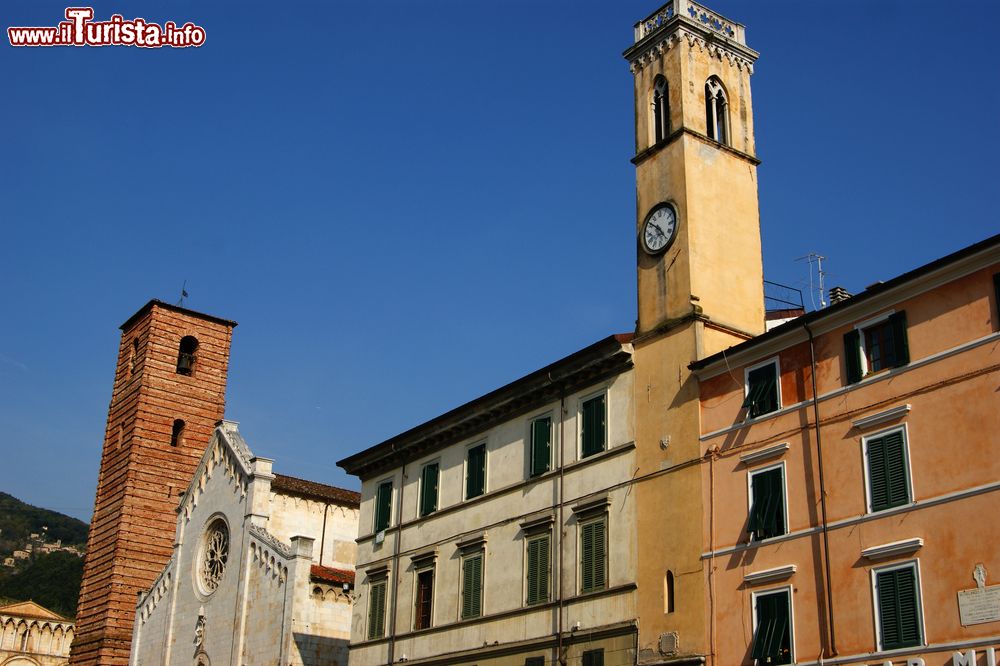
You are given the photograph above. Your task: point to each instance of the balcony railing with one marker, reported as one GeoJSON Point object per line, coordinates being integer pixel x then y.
{"type": "Point", "coordinates": [693, 12]}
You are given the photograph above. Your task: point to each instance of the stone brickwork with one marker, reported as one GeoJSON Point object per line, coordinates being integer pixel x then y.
{"type": "Point", "coordinates": [145, 464]}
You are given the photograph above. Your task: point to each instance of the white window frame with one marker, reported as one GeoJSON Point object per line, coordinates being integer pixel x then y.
{"type": "Point", "coordinates": [607, 420]}
{"type": "Point", "coordinates": [904, 428]}
{"type": "Point", "coordinates": [465, 470]}
{"type": "Point", "coordinates": [391, 480]}
{"type": "Point", "coordinates": [862, 350]}
{"type": "Point", "coordinates": [420, 487]}
{"type": "Point", "coordinates": [791, 614]}
{"type": "Point", "coordinates": [784, 493]}
{"type": "Point", "coordinates": [873, 575]}
{"type": "Point", "coordinates": [774, 360]}
{"type": "Point", "coordinates": [432, 567]}
{"type": "Point", "coordinates": [550, 414]}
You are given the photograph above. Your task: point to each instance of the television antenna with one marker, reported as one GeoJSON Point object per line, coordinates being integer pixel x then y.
{"type": "Point", "coordinates": [817, 259]}
{"type": "Point", "coordinates": [184, 293]}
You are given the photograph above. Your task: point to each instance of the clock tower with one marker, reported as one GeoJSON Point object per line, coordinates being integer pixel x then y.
{"type": "Point", "coordinates": [700, 290]}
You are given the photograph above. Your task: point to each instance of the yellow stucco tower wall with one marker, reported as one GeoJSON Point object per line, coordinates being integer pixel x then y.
{"type": "Point", "coordinates": [702, 294]}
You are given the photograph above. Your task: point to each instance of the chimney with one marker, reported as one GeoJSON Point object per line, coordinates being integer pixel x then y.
{"type": "Point", "coordinates": [838, 294]}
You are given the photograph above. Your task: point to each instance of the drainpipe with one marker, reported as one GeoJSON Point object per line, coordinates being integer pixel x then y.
{"type": "Point", "coordinates": [395, 568]}
{"type": "Point", "coordinates": [822, 497]}
{"type": "Point", "coordinates": [559, 578]}
{"type": "Point", "coordinates": [322, 540]}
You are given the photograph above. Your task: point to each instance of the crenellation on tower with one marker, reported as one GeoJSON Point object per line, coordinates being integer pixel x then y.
{"type": "Point", "coordinates": [168, 394]}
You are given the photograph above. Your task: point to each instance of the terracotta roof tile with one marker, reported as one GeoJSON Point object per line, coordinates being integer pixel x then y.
{"type": "Point", "coordinates": [289, 485]}
{"type": "Point", "coordinates": [331, 575]}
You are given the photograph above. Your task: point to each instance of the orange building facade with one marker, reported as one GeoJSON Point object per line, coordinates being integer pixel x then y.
{"type": "Point", "coordinates": [851, 477]}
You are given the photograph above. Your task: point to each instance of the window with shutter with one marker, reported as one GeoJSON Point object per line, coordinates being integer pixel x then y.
{"type": "Point", "coordinates": [475, 471]}
{"type": "Point", "coordinates": [429, 489]}
{"type": "Point", "coordinates": [593, 657]}
{"type": "Point", "coordinates": [541, 440]}
{"type": "Point", "coordinates": [376, 609]}
{"type": "Point", "coordinates": [879, 346]}
{"type": "Point", "coordinates": [534, 661]}
{"type": "Point", "coordinates": [888, 478]}
{"type": "Point", "coordinates": [472, 585]}
{"type": "Point", "coordinates": [593, 427]}
{"type": "Point", "coordinates": [767, 503]}
{"type": "Point", "coordinates": [538, 569]}
{"type": "Point", "coordinates": [424, 599]}
{"type": "Point", "coordinates": [762, 394]}
{"type": "Point", "coordinates": [383, 506]}
{"type": "Point", "coordinates": [898, 607]}
{"type": "Point", "coordinates": [772, 637]}
{"type": "Point", "coordinates": [593, 555]}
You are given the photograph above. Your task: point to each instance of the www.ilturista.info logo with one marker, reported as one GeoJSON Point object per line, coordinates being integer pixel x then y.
{"type": "Point", "coordinates": [79, 29]}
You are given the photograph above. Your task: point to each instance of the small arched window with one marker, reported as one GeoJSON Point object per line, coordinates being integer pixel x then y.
{"type": "Point", "coordinates": [177, 435]}
{"type": "Point", "coordinates": [661, 110]}
{"type": "Point", "coordinates": [668, 592]}
{"type": "Point", "coordinates": [186, 355]}
{"type": "Point", "coordinates": [716, 111]}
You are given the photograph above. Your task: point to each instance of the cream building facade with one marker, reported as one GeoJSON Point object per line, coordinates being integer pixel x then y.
{"type": "Point", "coordinates": [262, 570]}
{"type": "Point", "coordinates": [31, 635]}
{"type": "Point", "coordinates": [502, 531]}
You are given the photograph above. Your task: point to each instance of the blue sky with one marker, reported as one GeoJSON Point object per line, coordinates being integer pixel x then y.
{"type": "Point", "coordinates": [408, 204]}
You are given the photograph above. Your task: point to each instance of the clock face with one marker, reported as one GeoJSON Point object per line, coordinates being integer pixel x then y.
{"type": "Point", "coordinates": [659, 229]}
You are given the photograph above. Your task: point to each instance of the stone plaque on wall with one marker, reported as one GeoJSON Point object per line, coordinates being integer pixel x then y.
{"type": "Point", "coordinates": [979, 605]}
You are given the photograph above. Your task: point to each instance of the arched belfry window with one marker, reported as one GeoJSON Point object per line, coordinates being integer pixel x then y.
{"type": "Point", "coordinates": [177, 435]}
{"type": "Point", "coordinates": [716, 111]}
{"type": "Point", "coordinates": [661, 110]}
{"type": "Point", "coordinates": [186, 355]}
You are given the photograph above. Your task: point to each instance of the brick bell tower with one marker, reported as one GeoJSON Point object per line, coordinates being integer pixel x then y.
{"type": "Point", "coordinates": [169, 391]}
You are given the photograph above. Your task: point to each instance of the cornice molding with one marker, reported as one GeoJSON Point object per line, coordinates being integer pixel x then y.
{"type": "Point", "coordinates": [655, 45]}
{"type": "Point", "coordinates": [882, 417]}
{"type": "Point", "coordinates": [764, 454]}
{"type": "Point", "coordinates": [768, 575]}
{"type": "Point", "coordinates": [887, 550]}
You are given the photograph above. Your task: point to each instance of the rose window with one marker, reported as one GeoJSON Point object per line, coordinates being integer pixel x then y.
{"type": "Point", "coordinates": [214, 556]}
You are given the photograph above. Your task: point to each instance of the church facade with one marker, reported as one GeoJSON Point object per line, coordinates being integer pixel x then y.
{"type": "Point", "coordinates": [32, 635]}
{"type": "Point", "coordinates": [262, 570]}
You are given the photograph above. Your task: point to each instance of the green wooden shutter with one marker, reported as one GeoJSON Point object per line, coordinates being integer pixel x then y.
{"type": "Point", "coordinates": [593, 429]}
{"type": "Point", "coordinates": [772, 637]}
{"type": "Point", "coordinates": [472, 586]}
{"type": "Point", "coordinates": [897, 487]}
{"type": "Point", "coordinates": [383, 506]}
{"type": "Point", "coordinates": [762, 390]}
{"type": "Point", "coordinates": [900, 348]}
{"type": "Point", "coordinates": [593, 565]}
{"type": "Point", "coordinates": [899, 618]}
{"type": "Point", "coordinates": [878, 474]}
{"type": "Point", "coordinates": [541, 436]}
{"type": "Point", "coordinates": [376, 610]}
{"type": "Point", "coordinates": [887, 477]}
{"type": "Point", "coordinates": [852, 355]}
{"type": "Point", "coordinates": [767, 510]}
{"type": "Point", "coordinates": [475, 474]}
{"type": "Point", "coordinates": [538, 570]}
{"type": "Point", "coordinates": [429, 490]}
